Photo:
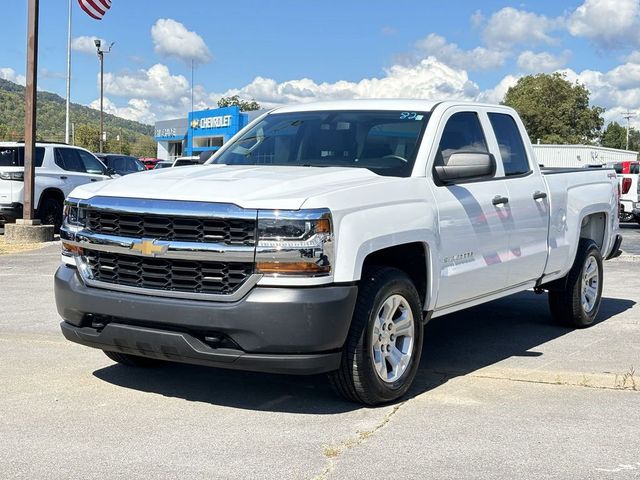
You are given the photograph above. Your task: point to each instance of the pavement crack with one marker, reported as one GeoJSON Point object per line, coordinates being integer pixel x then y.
{"type": "Point", "coordinates": [333, 452]}
{"type": "Point", "coordinates": [621, 382]}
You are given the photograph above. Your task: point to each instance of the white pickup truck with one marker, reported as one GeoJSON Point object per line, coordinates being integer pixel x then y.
{"type": "Point", "coordinates": [323, 237]}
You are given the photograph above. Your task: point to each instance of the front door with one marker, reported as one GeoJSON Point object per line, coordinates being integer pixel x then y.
{"type": "Point", "coordinates": [473, 236]}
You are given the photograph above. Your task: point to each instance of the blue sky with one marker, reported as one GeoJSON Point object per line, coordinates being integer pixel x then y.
{"type": "Point", "coordinates": [297, 51]}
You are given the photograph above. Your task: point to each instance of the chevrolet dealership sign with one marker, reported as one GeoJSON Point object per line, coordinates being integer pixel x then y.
{"type": "Point", "coordinates": [222, 121]}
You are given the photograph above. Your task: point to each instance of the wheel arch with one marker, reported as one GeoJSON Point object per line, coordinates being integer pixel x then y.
{"type": "Point", "coordinates": [51, 192]}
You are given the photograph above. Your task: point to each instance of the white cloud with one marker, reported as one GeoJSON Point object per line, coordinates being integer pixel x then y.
{"type": "Point", "coordinates": [496, 94]}
{"type": "Point", "coordinates": [155, 83]}
{"type": "Point", "coordinates": [172, 39]}
{"type": "Point", "coordinates": [610, 24]}
{"type": "Point", "coordinates": [479, 58]}
{"type": "Point", "coordinates": [429, 79]}
{"type": "Point", "coordinates": [10, 74]}
{"type": "Point", "coordinates": [137, 109]}
{"type": "Point", "coordinates": [86, 44]}
{"type": "Point", "coordinates": [543, 62]}
{"type": "Point", "coordinates": [510, 26]}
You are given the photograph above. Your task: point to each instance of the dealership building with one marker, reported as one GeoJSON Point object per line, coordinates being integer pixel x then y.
{"type": "Point", "coordinates": [201, 131]}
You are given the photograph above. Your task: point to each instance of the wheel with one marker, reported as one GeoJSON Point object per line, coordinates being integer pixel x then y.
{"type": "Point", "coordinates": [627, 217]}
{"type": "Point", "coordinates": [50, 212]}
{"type": "Point", "coordinates": [382, 352]}
{"type": "Point", "coordinates": [577, 304]}
{"type": "Point", "coordinates": [131, 360]}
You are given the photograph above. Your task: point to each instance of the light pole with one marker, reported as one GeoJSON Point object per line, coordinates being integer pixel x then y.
{"type": "Point", "coordinates": [101, 53]}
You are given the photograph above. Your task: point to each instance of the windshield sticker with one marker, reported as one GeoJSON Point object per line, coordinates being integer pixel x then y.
{"type": "Point", "coordinates": [410, 116]}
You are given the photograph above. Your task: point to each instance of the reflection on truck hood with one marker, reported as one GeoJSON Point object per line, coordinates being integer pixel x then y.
{"type": "Point", "coordinates": [246, 186]}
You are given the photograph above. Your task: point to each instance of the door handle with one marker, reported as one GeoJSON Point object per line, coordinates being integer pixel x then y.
{"type": "Point", "coordinates": [538, 195]}
{"type": "Point", "coordinates": [499, 200]}
{"type": "Point", "coordinates": [94, 179]}
{"type": "Point", "coordinates": [63, 177]}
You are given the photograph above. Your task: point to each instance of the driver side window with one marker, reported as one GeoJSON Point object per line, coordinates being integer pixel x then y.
{"type": "Point", "coordinates": [462, 134]}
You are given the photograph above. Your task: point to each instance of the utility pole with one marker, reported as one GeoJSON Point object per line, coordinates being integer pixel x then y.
{"type": "Point", "coordinates": [101, 53]}
{"type": "Point", "coordinates": [628, 116]}
{"type": "Point", "coordinates": [67, 129]}
{"type": "Point", "coordinates": [30, 109]}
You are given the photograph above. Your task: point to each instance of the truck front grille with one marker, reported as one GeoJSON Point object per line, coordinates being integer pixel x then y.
{"type": "Point", "coordinates": [167, 274]}
{"type": "Point", "coordinates": [234, 231]}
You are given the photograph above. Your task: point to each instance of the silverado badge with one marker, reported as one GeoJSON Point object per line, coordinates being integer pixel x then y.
{"type": "Point", "coordinates": [148, 247]}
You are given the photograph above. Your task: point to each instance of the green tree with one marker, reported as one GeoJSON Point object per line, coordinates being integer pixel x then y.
{"type": "Point", "coordinates": [555, 110]}
{"type": "Point", "coordinates": [144, 147]}
{"type": "Point", "coordinates": [236, 101]}
{"type": "Point", "coordinates": [615, 136]}
{"type": "Point", "coordinates": [88, 136]}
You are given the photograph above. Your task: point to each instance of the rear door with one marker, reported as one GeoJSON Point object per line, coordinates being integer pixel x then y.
{"type": "Point", "coordinates": [473, 237]}
{"type": "Point", "coordinates": [79, 167]}
{"type": "Point", "coordinates": [528, 223]}
{"type": "Point", "coordinates": [12, 172]}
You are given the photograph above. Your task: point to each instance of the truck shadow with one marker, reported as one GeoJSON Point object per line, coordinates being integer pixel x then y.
{"type": "Point", "coordinates": [454, 345]}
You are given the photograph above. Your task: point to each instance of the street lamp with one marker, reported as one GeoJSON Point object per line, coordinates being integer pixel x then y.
{"type": "Point", "coordinates": [101, 52]}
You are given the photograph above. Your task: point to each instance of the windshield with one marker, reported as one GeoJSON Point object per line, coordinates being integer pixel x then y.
{"type": "Point", "coordinates": [384, 142]}
{"type": "Point", "coordinates": [124, 165]}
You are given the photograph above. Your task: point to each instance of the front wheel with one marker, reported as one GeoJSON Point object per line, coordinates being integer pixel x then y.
{"type": "Point", "coordinates": [577, 304]}
{"type": "Point", "coordinates": [383, 348]}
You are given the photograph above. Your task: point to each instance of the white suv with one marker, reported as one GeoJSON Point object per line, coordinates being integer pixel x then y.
{"type": "Point", "coordinates": [59, 169]}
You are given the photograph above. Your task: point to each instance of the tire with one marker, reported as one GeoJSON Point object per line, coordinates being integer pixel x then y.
{"type": "Point", "coordinates": [387, 319]}
{"type": "Point", "coordinates": [626, 217]}
{"type": "Point", "coordinates": [132, 360]}
{"type": "Point", "coordinates": [50, 212]}
{"type": "Point", "coordinates": [577, 304]}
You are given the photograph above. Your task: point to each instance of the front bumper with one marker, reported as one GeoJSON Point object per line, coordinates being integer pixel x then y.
{"type": "Point", "coordinates": [277, 330]}
{"type": "Point", "coordinates": [10, 213]}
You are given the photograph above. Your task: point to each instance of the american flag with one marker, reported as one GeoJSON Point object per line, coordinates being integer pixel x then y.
{"type": "Point", "coordinates": [95, 8]}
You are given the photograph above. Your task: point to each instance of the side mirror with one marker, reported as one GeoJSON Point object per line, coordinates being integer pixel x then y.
{"type": "Point", "coordinates": [465, 166]}
{"type": "Point", "coordinates": [111, 171]}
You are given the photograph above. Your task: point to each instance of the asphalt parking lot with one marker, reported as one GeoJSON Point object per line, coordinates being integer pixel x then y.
{"type": "Point", "coordinates": [502, 393]}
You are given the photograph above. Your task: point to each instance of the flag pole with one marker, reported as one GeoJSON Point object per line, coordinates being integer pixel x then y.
{"type": "Point", "coordinates": [67, 130]}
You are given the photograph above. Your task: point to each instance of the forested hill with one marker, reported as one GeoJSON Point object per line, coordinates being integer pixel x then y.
{"type": "Point", "coordinates": [51, 118]}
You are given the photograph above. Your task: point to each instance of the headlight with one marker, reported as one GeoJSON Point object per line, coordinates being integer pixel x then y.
{"type": "Point", "coordinates": [73, 216]}
{"type": "Point", "coordinates": [293, 243]}
{"type": "Point", "coordinates": [16, 176]}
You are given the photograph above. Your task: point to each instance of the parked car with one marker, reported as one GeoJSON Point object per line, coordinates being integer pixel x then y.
{"type": "Point", "coordinates": [186, 161]}
{"type": "Point", "coordinates": [163, 164]}
{"type": "Point", "coordinates": [149, 163]}
{"type": "Point", "coordinates": [59, 168]}
{"type": "Point", "coordinates": [325, 236]}
{"type": "Point", "coordinates": [121, 164]}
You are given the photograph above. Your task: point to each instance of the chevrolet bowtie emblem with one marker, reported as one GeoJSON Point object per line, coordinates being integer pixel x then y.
{"type": "Point", "coordinates": [148, 247]}
{"type": "Point", "coordinates": [194, 124]}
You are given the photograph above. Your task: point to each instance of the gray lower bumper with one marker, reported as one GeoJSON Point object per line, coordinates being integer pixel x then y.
{"type": "Point", "coordinates": [280, 330]}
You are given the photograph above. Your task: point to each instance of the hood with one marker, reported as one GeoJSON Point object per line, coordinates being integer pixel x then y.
{"type": "Point", "coordinates": [273, 187]}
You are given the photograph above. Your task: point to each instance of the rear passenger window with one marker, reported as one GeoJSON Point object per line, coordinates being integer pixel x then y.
{"type": "Point", "coordinates": [68, 159]}
{"type": "Point", "coordinates": [14, 157]}
{"type": "Point", "coordinates": [512, 151]}
{"type": "Point", "coordinates": [462, 134]}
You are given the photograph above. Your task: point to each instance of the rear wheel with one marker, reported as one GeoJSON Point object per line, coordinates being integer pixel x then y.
{"type": "Point", "coordinates": [383, 348]}
{"type": "Point", "coordinates": [50, 212]}
{"type": "Point", "coordinates": [627, 217]}
{"type": "Point", "coordinates": [132, 360]}
{"type": "Point", "coordinates": [577, 304]}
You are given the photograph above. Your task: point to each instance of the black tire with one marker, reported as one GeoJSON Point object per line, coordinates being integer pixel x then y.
{"type": "Point", "coordinates": [566, 304]}
{"type": "Point", "coordinates": [132, 360]}
{"type": "Point", "coordinates": [50, 212]}
{"type": "Point", "coordinates": [627, 217]}
{"type": "Point", "coordinates": [357, 380]}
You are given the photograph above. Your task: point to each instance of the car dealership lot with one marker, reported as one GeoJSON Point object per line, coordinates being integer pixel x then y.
{"type": "Point", "coordinates": [502, 393]}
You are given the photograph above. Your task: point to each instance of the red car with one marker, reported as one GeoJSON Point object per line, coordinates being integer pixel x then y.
{"type": "Point", "coordinates": [149, 163]}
